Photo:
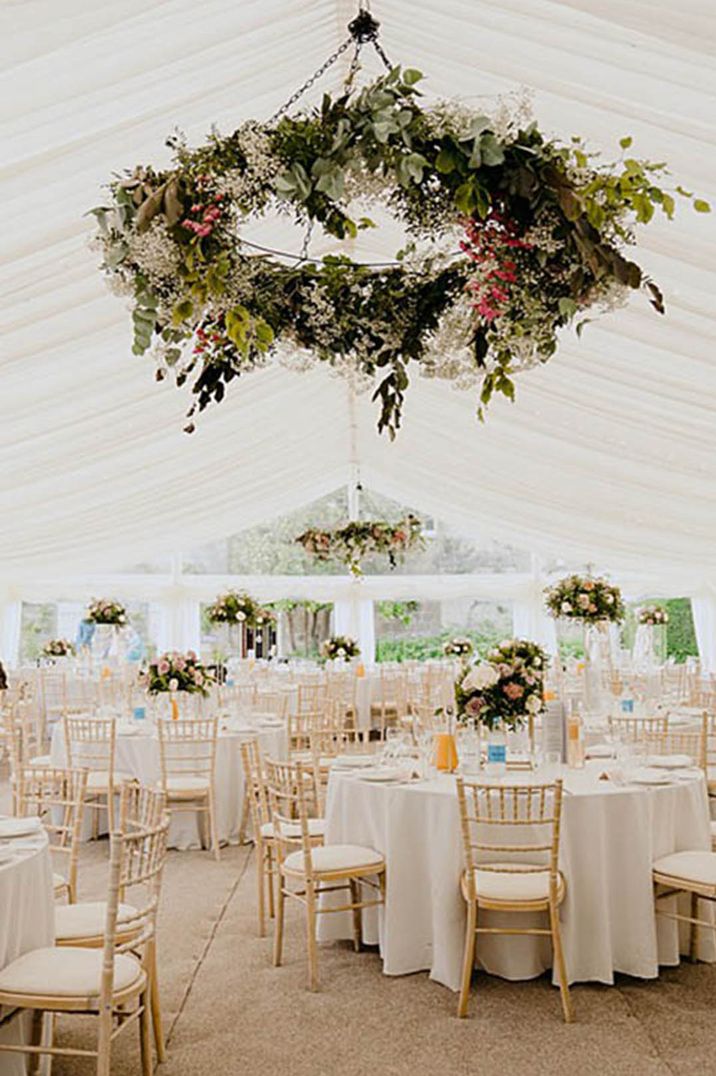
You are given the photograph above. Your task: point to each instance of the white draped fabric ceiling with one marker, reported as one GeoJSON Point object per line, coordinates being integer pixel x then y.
{"type": "Point", "coordinates": [608, 455]}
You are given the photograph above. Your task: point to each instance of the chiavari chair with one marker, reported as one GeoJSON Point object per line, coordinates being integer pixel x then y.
{"type": "Point", "coordinates": [141, 810]}
{"type": "Point", "coordinates": [90, 743]}
{"type": "Point", "coordinates": [306, 871]}
{"type": "Point", "coordinates": [111, 983]}
{"type": "Point", "coordinates": [187, 756]}
{"type": "Point", "coordinates": [57, 798]}
{"type": "Point", "coordinates": [635, 729]}
{"type": "Point", "coordinates": [391, 706]}
{"type": "Point", "coordinates": [510, 836]}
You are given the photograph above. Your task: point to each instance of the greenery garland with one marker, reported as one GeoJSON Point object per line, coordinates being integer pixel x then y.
{"type": "Point", "coordinates": [510, 237]}
{"type": "Point", "coordinates": [355, 541]}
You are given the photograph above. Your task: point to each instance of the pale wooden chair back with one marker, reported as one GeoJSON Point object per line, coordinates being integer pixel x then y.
{"type": "Point", "coordinates": [637, 729]}
{"type": "Point", "coordinates": [253, 765]}
{"type": "Point", "coordinates": [693, 742]}
{"type": "Point", "coordinates": [290, 789]}
{"type": "Point", "coordinates": [90, 742]}
{"type": "Point", "coordinates": [271, 701]}
{"type": "Point", "coordinates": [312, 697]}
{"type": "Point", "coordinates": [510, 828]}
{"type": "Point", "coordinates": [140, 807]}
{"type": "Point", "coordinates": [187, 748]}
{"type": "Point", "coordinates": [57, 798]}
{"type": "Point", "coordinates": [299, 727]}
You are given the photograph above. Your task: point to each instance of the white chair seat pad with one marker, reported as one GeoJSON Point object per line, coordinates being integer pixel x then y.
{"type": "Point", "coordinates": [87, 919]}
{"type": "Point", "coordinates": [316, 828]}
{"type": "Point", "coordinates": [189, 783]}
{"type": "Point", "coordinates": [511, 882]}
{"type": "Point", "coordinates": [66, 972]}
{"type": "Point", "coordinates": [699, 867]}
{"type": "Point", "coordinates": [337, 857]}
{"type": "Point", "coordinates": [98, 780]}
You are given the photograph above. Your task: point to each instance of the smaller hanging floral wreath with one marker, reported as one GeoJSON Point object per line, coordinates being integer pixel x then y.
{"type": "Point", "coordinates": [58, 648]}
{"type": "Point", "coordinates": [104, 611]}
{"type": "Point", "coordinates": [504, 688]}
{"type": "Point", "coordinates": [340, 648]}
{"type": "Point", "coordinates": [234, 607]}
{"type": "Point", "coordinates": [582, 598]}
{"type": "Point", "coordinates": [653, 615]}
{"type": "Point", "coordinates": [511, 236]}
{"type": "Point", "coordinates": [353, 542]}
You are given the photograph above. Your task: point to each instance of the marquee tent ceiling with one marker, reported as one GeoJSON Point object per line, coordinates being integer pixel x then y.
{"type": "Point", "coordinates": [608, 454]}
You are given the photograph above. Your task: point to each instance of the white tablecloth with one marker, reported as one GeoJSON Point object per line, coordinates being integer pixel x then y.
{"type": "Point", "coordinates": [27, 920]}
{"type": "Point", "coordinates": [138, 755]}
{"type": "Point", "coordinates": [610, 837]}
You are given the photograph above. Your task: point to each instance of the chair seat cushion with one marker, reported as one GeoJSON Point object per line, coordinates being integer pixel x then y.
{"type": "Point", "coordinates": [337, 857]}
{"type": "Point", "coordinates": [697, 867]}
{"type": "Point", "coordinates": [98, 780]}
{"type": "Point", "coordinates": [513, 882]}
{"type": "Point", "coordinates": [316, 828]}
{"type": "Point", "coordinates": [66, 972]}
{"type": "Point", "coordinates": [40, 760]}
{"type": "Point", "coordinates": [186, 786]}
{"type": "Point", "coordinates": [87, 919]}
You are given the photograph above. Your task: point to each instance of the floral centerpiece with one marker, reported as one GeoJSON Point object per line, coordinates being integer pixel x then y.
{"type": "Point", "coordinates": [355, 541]}
{"type": "Point", "coordinates": [459, 647]}
{"type": "Point", "coordinates": [105, 611]}
{"type": "Point", "coordinates": [511, 237]}
{"type": "Point", "coordinates": [504, 688]}
{"type": "Point", "coordinates": [174, 671]}
{"type": "Point", "coordinates": [340, 648]}
{"type": "Point", "coordinates": [233, 607]}
{"type": "Point", "coordinates": [578, 597]}
{"type": "Point", "coordinates": [653, 615]}
{"type": "Point", "coordinates": [58, 648]}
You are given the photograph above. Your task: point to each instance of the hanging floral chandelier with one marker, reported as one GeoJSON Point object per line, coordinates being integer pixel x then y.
{"type": "Point", "coordinates": [510, 237]}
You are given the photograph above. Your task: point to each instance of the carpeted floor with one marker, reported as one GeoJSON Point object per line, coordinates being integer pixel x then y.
{"type": "Point", "coordinates": [228, 1011]}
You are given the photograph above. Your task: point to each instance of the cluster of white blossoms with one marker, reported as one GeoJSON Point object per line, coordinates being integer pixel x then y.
{"type": "Point", "coordinates": [248, 186]}
{"type": "Point", "coordinates": [155, 252]}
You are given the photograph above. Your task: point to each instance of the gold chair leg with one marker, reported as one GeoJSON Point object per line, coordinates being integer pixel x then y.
{"type": "Point", "coordinates": [559, 961]}
{"type": "Point", "coordinates": [36, 1032]}
{"type": "Point", "coordinates": [155, 1001]}
{"type": "Point", "coordinates": [270, 870]}
{"type": "Point", "coordinates": [104, 1043]}
{"type": "Point", "coordinates": [311, 942]}
{"type": "Point", "coordinates": [694, 930]}
{"type": "Point", "coordinates": [261, 888]}
{"type": "Point", "coordinates": [357, 926]}
{"type": "Point", "coordinates": [145, 1034]}
{"type": "Point", "coordinates": [468, 958]}
{"type": "Point", "coordinates": [278, 933]}
{"type": "Point", "coordinates": [244, 818]}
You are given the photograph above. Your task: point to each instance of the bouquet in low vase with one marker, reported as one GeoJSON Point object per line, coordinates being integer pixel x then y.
{"type": "Point", "coordinates": [58, 648]}
{"type": "Point", "coordinates": [340, 648]}
{"type": "Point", "coordinates": [174, 673]}
{"type": "Point", "coordinates": [595, 603]}
{"type": "Point", "coordinates": [502, 692]}
{"type": "Point", "coordinates": [650, 639]}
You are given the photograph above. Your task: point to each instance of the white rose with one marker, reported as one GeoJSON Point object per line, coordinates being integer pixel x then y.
{"type": "Point", "coordinates": [566, 607]}
{"type": "Point", "coordinates": [340, 652]}
{"type": "Point", "coordinates": [241, 616]}
{"type": "Point", "coordinates": [536, 662]}
{"type": "Point", "coordinates": [481, 677]}
{"type": "Point", "coordinates": [609, 599]}
{"type": "Point", "coordinates": [533, 704]}
{"type": "Point", "coordinates": [173, 685]}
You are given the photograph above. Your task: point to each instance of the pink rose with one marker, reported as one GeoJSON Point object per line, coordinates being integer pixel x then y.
{"type": "Point", "coordinates": [473, 706]}
{"type": "Point", "coordinates": [513, 691]}
{"type": "Point", "coordinates": [163, 667]}
{"type": "Point", "coordinates": [179, 664]}
{"type": "Point", "coordinates": [191, 655]}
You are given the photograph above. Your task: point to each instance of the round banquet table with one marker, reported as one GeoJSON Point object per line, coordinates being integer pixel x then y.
{"type": "Point", "coordinates": [27, 920]}
{"type": "Point", "coordinates": [610, 836]}
{"type": "Point", "coordinates": [137, 754]}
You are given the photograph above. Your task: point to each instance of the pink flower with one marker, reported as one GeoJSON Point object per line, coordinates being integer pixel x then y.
{"type": "Point", "coordinates": [191, 655]}
{"type": "Point", "coordinates": [179, 664]}
{"type": "Point", "coordinates": [513, 691]}
{"type": "Point", "coordinates": [473, 706]}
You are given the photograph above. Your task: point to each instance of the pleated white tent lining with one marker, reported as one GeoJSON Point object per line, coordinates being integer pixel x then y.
{"type": "Point", "coordinates": [608, 455]}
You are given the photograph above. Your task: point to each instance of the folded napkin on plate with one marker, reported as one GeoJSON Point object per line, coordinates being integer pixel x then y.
{"type": "Point", "coordinates": [19, 827]}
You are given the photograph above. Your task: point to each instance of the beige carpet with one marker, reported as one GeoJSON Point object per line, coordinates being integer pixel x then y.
{"type": "Point", "coordinates": [228, 1011]}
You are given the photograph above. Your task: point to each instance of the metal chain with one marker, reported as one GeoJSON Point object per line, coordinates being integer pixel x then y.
{"type": "Point", "coordinates": [314, 78]}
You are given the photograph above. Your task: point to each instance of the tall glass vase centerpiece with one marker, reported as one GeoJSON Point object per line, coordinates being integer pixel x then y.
{"type": "Point", "coordinates": [108, 618]}
{"type": "Point", "coordinates": [234, 613]}
{"type": "Point", "coordinates": [596, 604]}
{"type": "Point", "coordinates": [502, 694]}
{"type": "Point", "coordinates": [649, 651]}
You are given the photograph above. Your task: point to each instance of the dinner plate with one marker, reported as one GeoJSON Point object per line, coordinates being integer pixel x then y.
{"type": "Point", "coordinates": [383, 775]}
{"type": "Point", "coordinates": [350, 762]}
{"type": "Point", "coordinates": [670, 762]}
{"type": "Point", "coordinates": [648, 777]}
{"type": "Point", "coordinates": [19, 827]}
